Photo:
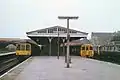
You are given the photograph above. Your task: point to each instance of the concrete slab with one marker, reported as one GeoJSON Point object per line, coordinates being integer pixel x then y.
{"type": "Point", "coordinates": [50, 68]}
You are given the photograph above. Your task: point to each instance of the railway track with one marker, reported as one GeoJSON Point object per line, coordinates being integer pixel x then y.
{"type": "Point", "coordinates": [8, 64]}
{"type": "Point", "coordinates": [8, 61]}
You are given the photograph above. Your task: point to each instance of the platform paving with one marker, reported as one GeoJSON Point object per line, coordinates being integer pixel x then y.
{"type": "Point", "coordinates": [50, 68]}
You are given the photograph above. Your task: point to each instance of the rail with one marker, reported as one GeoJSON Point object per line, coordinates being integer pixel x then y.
{"type": "Point", "coordinates": [9, 53]}
{"type": "Point", "coordinates": [9, 60]}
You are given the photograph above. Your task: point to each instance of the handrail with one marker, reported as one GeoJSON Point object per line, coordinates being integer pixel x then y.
{"type": "Point", "coordinates": [4, 54]}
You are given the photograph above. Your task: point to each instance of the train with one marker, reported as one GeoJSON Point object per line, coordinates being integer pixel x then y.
{"type": "Point", "coordinates": [25, 49]}
{"type": "Point", "coordinates": [86, 50]}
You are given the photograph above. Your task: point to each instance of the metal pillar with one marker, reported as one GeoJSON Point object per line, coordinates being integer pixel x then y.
{"type": "Point", "coordinates": [58, 46]}
{"type": "Point", "coordinates": [40, 46]}
{"type": "Point", "coordinates": [98, 49]}
{"type": "Point", "coordinates": [50, 40]}
{"type": "Point", "coordinates": [63, 47]}
{"type": "Point", "coordinates": [68, 36]}
{"type": "Point", "coordinates": [64, 54]}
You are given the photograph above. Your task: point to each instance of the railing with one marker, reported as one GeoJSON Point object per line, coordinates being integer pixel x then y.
{"type": "Point", "coordinates": [107, 48]}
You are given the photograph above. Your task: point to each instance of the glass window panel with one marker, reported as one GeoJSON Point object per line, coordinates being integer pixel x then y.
{"type": "Point", "coordinates": [87, 48]}
{"type": "Point", "coordinates": [22, 47]}
{"type": "Point", "coordinates": [91, 48]}
{"type": "Point", "coordinates": [18, 47]}
{"type": "Point", "coordinates": [27, 47]}
{"type": "Point", "coordinates": [83, 48]}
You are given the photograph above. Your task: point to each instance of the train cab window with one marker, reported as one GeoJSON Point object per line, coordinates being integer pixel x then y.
{"type": "Point", "coordinates": [27, 47]}
{"type": "Point", "coordinates": [87, 48]}
{"type": "Point", "coordinates": [22, 47]}
{"type": "Point", "coordinates": [18, 47]}
{"type": "Point", "coordinates": [91, 48]}
{"type": "Point", "coordinates": [83, 47]}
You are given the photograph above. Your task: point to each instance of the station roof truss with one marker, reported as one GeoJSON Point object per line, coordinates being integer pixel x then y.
{"type": "Point", "coordinates": [55, 31]}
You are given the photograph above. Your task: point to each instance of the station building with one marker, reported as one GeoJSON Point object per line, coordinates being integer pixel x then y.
{"type": "Point", "coordinates": [50, 39]}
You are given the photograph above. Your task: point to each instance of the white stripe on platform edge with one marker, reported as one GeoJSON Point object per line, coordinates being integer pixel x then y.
{"type": "Point", "coordinates": [13, 68]}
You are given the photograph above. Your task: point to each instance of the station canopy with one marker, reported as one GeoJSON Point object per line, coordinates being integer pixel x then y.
{"type": "Point", "coordinates": [55, 32]}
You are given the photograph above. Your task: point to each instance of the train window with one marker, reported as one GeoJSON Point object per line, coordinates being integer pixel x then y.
{"type": "Point", "coordinates": [91, 48]}
{"type": "Point", "coordinates": [87, 48]}
{"type": "Point", "coordinates": [18, 47]}
{"type": "Point", "coordinates": [22, 47]}
{"type": "Point", "coordinates": [27, 47]}
{"type": "Point", "coordinates": [83, 48]}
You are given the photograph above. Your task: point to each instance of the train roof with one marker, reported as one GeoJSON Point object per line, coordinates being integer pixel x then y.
{"type": "Point", "coordinates": [87, 44]}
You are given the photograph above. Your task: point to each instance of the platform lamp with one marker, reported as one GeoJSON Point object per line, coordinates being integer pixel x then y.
{"type": "Point", "coordinates": [68, 35]}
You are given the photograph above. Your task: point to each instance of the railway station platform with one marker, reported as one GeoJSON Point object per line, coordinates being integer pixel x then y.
{"type": "Point", "coordinates": [51, 68]}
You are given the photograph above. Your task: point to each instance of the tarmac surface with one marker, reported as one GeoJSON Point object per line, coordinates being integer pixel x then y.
{"type": "Point", "coordinates": [51, 68]}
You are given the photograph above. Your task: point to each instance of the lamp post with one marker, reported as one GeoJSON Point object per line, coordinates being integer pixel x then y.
{"type": "Point", "coordinates": [68, 35]}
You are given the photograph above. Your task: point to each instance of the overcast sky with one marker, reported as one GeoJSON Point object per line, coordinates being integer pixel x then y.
{"type": "Point", "coordinates": [20, 16]}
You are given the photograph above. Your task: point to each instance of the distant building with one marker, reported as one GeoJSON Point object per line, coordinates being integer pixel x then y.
{"type": "Point", "coordinates": [101, 38]}
{"type": "Point", "coordinates": [105, 41]}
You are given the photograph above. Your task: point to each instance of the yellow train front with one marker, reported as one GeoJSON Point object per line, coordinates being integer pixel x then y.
{"type": "Point", "coordinates": [86, 50]}
{"type": "Point", "coordinates": [23, 49]}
